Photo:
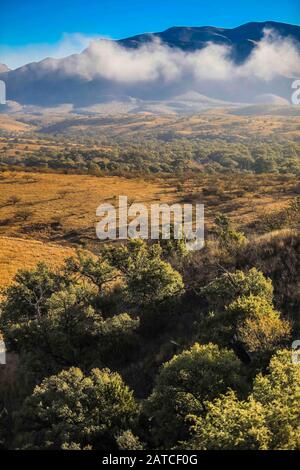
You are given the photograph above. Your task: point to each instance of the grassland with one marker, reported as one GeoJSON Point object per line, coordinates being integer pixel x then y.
{"type": "Point", "coordinates": [53, 206]}
{"type": "Point", "coordinates": [57, 208]}
{"type": "Point", "coordinates": [118, 145]}
{"type": "Point", "coordinates": [211, 124]}
{"type": "Point", "coordinates": [10, 124]}
{"type": "Point", "coordinates": [17, 253]}
{"type": "Point", "coordinates": [61, 209]}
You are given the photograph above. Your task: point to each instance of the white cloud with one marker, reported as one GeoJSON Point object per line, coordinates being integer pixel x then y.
{"type": "Point", "coordinates": [272, 57]}
{"type": "Point", "coordinates": [153, 61]}
{"type": "Point", "coordinates": [104, 58]}
{"type": "Point", "coordinates": [156, 70]}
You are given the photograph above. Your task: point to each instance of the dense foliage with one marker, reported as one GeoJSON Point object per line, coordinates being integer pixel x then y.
{"type": "Point", "coordinates": [119, 349]}
{"type": "Point", "coordinates": [157, 154]}
{"type": "Point", "coordinates": [268, 419]}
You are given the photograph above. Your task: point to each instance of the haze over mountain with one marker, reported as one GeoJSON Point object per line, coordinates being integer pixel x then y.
{"type": "Point", "coordinates": [3, 68]}
{"type": "Point", "coordinates": [182, 69]}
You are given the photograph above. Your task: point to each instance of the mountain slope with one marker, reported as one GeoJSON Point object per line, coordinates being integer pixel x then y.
{"type": "Point", "coordinates": [104, 69]}
{"type": "Point", "coordinates": [242, 38]}
{"type": "Point", "coordinates": [4, 68]}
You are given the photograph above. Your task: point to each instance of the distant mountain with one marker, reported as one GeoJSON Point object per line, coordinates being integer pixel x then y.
{"type": "Point", "coordinates": [4, 68]}
{"type": "Point", "coordinates": [139, 75]}
{"type": "Point", "coordinates": [267, 110]}
{"type": "Point", "coordinates": [189, 103]}
{"type": "Point", "coordinates": [242, 39]}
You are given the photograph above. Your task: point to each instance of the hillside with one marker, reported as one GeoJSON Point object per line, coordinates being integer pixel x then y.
{"type": "Point", "coordinates": [18, 253]}
{"type": "Point", "coordinates": [242, 38]}
{"type": "Point", "coordinates": [62, 208]}
{"type": "Point", "coordinates": [207, 60]}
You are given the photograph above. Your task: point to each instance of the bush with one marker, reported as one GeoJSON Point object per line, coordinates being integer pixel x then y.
{"type": "Point", "coordinates": [268, 419]}
{"type": "Point", "coordinates": [56, 320]}
{"type": "Point", "coordinates": [224, 289]}
{"type": "Point", "coordinates": [185, 383]}
{"type": "Point", "coordinates": [148, 278]}
{"type": "Point", "coordinates": [13, 200]}
{"type": "Point", "coordinates": [128, 441]}
{"type": "Point", "coordinates": [73, 410]}
{"type": "Point", "coordinates": [264, 332]}
{"type": "Point", "coordinates": [230, 239]}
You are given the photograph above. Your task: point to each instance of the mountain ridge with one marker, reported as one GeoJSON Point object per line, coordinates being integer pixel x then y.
{"type": "Point", "coordinates": [194, 37]}
{"type": "Point", "coordinates": [53, 82]}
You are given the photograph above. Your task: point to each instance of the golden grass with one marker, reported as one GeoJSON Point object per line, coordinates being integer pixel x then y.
{"type": "Point", "coordinates": [280, 234]}
{"type": "Point", "coordinates": [10, 124]}
{"type": "Point", "coordinates": [62, 208]}
{"type": "Point", "coordinates": [70, 201]}
{"type": "Point", "coordinates": [216, 123]}
{"type": "Point", "coordinates": [17, 253]}
{"type": "Point", "coordinates": [21, 144]}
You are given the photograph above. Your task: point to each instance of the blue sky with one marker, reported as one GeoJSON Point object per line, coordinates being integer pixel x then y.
{"type": "Point", "coordinates": [33, 29]}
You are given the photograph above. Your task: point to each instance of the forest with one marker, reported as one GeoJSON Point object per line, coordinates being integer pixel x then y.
{"type": "Point", "coordinates": [153, 145]}
{"type": "Point", "coordinates": [149, 346]}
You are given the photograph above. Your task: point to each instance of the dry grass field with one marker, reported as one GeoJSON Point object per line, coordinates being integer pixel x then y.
{"type": "Point", "coordinates": [14, 145]}
{"type": "Point", "coordinates": [59, 207]}
{"type": "Point", "coordinates": [44, 216]}
{"type": "Point", "coordinates": [213, 123]}
{"type": "Point", "coordinates": [24, 145]}
{"type": "Point", "coordinates": [10, 124]}
{"type": "Point", "coordinates": [17, 253]}
{"type": "Point", "coordinates": [47, 206]}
